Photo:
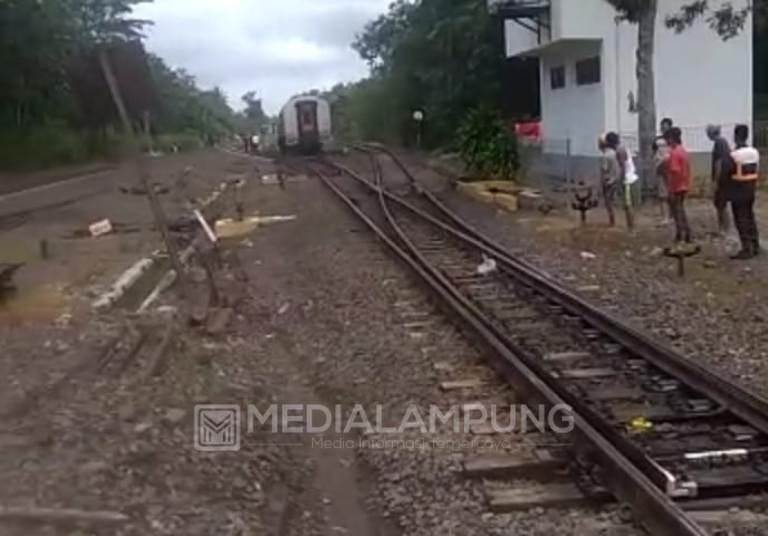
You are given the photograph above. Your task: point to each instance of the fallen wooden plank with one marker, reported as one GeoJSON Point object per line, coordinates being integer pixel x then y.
{"type": "Point", "coordinates": [60, 515]}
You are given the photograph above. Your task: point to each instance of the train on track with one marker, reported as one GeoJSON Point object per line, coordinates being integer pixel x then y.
{"type": "Point", "coordinates": [305, 125]}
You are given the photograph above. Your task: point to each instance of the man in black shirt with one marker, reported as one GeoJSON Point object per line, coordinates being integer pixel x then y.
{"type": "Point", "coordinates": [722, 167]}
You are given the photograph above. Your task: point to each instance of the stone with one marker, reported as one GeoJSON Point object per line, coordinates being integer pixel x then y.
{"type": "Point", "coordinates": [175, 415]}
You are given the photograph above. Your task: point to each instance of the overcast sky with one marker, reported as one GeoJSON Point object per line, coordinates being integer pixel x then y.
{"type": "Point", "coordinates": [275, 47]}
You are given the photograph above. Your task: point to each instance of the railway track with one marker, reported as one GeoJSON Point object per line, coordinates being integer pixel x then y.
{"type": "Point", "coordinates": [658, 431]}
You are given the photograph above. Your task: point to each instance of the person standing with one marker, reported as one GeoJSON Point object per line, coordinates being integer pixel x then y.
{"type": "Point", "coordinates": [661, 156]}
{"type": "Point", "coordinates": [678, 183]}
{"type": "Point", "coordinates": [742, 189]}
{"type": "Point", "coordinates": [629, 178]}
{"type": "Point", "coordinates": [627, 175]}
{"type": "Point", "coordinates": [721, 175]}
{"type": "Point", "coordinates": [609, 174]}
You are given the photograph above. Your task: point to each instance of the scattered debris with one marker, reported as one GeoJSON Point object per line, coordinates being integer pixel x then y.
{"type": "Point", "coordinates": [589, 288]}
{"type": "Point", "coordinates": [204, 224]}
{"type": "Point", "coordinates": [488, 266]}
{"type": "Point", "coordinates": [587, 255]}
{"type": "Point", "coordinates": [283, 309]}
{"type": "Point", "coordinates": [230, 228]}
{"type": "Point", "coordinates": [170, 310]}
{"type": "Point", "coordinates": [125, 282]}
{"type": "Point", "coordinates": [100, 228]}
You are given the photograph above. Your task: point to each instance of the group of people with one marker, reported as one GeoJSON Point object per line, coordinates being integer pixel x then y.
{"type": "Point", "coordinates": [735, 174]}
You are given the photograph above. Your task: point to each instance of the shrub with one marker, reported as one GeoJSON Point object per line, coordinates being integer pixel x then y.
{"type": "Point", "coordinates": [42, 147]}
{"type": "Point", "coordinates": [487, 147]}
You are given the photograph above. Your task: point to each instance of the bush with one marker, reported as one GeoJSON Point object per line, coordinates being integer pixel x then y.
{"type": "Point", "coordinates": [31, 149]}
{"type": "Point", "coordinates": [42, 147]}
{"type": "Point", "coordinates": [487, 147]}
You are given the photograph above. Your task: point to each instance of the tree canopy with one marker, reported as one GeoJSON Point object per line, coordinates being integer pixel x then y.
{"type": "Point", "coordinates": [440, 56]}
{"type": "Point", "coordinates": [47, 49]}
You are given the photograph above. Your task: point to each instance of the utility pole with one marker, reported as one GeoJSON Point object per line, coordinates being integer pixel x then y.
{"type": "Point", "coordinates": [142, 171]}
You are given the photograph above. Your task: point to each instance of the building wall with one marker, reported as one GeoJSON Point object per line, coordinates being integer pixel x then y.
{"type": "Point", "coordinates": [700, 78]}
{"type": "Point", "coordinates": [575, 113]}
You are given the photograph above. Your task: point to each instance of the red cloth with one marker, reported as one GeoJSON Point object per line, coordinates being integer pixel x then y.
{"type": "Point", "coordinates": [679, 170]}
{"type": "Point", "coordinates": [530, 129]}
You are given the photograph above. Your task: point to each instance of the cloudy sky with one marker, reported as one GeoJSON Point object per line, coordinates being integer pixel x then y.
{"type": "Point", "coordinates": [275, 47]}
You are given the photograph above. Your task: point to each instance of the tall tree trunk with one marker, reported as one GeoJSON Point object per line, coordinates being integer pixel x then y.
{"type": "Point", "coordinates": [646, 90]}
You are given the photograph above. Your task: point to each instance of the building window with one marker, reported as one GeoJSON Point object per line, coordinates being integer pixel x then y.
{"type": "Point", "coordinates": [557, 77]}
{"type": "Point", "coordinates": [588, 71]}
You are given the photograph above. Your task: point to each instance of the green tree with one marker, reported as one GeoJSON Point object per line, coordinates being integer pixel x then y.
{"type": "Point", "coordinates": [644, 13]}
{"type": "Point", "coordinates": [723, 17]}
{"type": "Point", "coordinates": [47, 49]}
{"type": "Point", "coordinates": [440, 56]}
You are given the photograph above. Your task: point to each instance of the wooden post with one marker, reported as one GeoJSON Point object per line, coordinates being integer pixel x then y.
{"type": "Point", "coordinates": [141, 168]}
{"type": "Point", "coordinates": [146, 116]}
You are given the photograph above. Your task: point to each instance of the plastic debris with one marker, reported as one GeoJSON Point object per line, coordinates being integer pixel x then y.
{"type": "Point", "coordinates": [100, 228]}
{"type": "Point", "coordinates": [488, 266]}
{"type": "Point", "coordinates": [587, 255]}
{"type": "Point", "coordinates": [641, 424]}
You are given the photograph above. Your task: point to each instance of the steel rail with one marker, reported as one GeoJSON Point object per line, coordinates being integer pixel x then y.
{"type": "Point", "coordinates": [659, 475]}
{"type": "Point", "coordinates": [747, 405]}
{"type": "Point", "coordinates": [623, 478]}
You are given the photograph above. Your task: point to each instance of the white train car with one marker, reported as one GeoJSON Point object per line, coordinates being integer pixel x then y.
{"type": "Point", "coordinates": [305, 125]}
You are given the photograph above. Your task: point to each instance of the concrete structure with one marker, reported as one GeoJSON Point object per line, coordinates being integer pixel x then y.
{"type": "Point", "coordinates": [587, 70]}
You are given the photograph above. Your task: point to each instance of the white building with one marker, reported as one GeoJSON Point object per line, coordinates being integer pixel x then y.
{"type": "Point", "coordinates": [587, 68]}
